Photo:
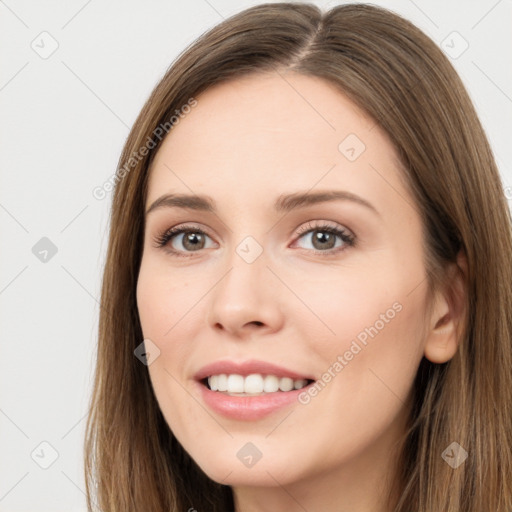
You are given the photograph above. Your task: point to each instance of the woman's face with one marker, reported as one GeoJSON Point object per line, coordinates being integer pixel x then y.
{"type": "Point", "coordinates": [277, 270]}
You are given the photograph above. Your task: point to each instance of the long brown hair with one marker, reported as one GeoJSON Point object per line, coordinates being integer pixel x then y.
{"type": "Point", "coordinates": [397, 75]}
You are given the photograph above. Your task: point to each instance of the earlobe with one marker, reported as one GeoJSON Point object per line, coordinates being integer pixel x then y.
{"type": "Point", "coordinates": [443, 338]}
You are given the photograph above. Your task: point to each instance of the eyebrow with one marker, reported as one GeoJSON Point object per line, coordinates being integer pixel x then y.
{"type": "Point", "coordinates": [284, 203]}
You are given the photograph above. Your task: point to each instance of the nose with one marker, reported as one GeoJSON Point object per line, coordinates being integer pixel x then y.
{"type": "Point", "coordinates": [245, 300]}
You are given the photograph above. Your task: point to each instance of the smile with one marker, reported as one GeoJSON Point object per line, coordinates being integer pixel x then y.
{"type": "Point", "coordinates": [249, 390]}
{"type": "Point", "coordinates": [254, 384]}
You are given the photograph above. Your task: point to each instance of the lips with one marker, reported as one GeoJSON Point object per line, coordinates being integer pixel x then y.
{"type": "Point", "coordinates": [250, 407]}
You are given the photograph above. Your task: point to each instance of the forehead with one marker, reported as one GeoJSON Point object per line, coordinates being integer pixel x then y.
{"type": "Point", "coordinates": [273, 132]}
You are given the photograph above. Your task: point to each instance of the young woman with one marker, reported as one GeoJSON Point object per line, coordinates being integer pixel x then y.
{"type": "Point", "coordinates": [307, 294]}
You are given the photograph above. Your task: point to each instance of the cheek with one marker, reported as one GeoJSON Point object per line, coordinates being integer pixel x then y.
{"type": "Point", "coordinates": [369, 370]}
{"type": "Point", "coordinates": [370, 337]}
{"type": "Point", "coordinates": [166, 310]}
{"type": "Point", "coordinates": [161, 300]}
{"type": "Point", "coordinates": [380, 358]}
{"type": "Point", "coordinates": [345, 302]}
{"type": "Point", "coordinates": [179, 411]}
{"type": "Point", "coordinates": [149, 299]}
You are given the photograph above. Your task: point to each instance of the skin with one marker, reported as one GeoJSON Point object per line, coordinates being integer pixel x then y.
{"type": "Point", "coordinates": [245, 143]}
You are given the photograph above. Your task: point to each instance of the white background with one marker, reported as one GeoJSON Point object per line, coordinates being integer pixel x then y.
{"type": "Point", "coordinates": [64, 120]}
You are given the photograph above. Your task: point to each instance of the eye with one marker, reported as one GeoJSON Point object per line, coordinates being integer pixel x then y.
{"type": "Point", "coordinates": [193, 239]}
{"type": "Point", "coordinates": [324, 237]}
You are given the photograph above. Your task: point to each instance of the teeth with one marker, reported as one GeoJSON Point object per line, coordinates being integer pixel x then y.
{"type": "Point", "coordinates": [286, 384]}
{"type": "Point", "coordinates": [270, 384]}
{"type": "Point", "coordinates": [253, 384]}
{"type": "Point", "coordinates": [222, 382]}
{"type": "Point", "coordinates": [235, 384]}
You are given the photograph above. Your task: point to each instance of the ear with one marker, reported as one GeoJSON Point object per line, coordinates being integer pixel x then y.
{"type": "Point", "coordinates": [448, 314]}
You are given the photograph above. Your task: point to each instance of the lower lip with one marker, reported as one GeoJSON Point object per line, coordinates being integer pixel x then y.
{"type": "Point", "coordinates": [248, 408]}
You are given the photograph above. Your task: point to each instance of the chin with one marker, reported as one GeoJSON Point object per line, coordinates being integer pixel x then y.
{"type": "Point", "coordinates": [238, 464]}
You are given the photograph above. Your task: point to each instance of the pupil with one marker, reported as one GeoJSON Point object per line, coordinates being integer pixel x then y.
{"type": "Point", "coordinates": [323, 237]}
{"type": "Point", "coordinates": [194, 239]}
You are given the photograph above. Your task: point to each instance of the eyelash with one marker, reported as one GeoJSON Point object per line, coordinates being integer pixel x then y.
{"type": "Point", "coordinates": [162, 239]}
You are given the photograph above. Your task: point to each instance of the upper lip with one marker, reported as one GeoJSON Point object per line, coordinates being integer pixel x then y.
{"type": "Point", "coordinates": [245, 368]}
